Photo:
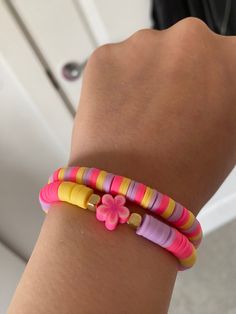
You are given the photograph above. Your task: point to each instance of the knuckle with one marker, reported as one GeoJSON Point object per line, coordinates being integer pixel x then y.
{"type": "Point", "coordinates": [191, 25]}
{"type": "Point", "coordinates": [142, 34]}
{"type": "Point", "coordinates": [101, 53]}
{"type": "Point", "coordinates": [190, 36]}
{"type": "Point", "coordinates": [188, 41]}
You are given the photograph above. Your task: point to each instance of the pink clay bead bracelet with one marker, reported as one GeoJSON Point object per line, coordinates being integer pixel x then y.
{"type": "Point", "coordinates": [175, 213]}
{"type": "Point", "coordinates": [112, 211]}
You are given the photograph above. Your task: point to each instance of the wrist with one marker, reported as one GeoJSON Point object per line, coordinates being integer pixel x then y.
{"type": "Point", "coordinates": [107, 260]}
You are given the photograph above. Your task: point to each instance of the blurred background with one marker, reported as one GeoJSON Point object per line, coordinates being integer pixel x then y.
{"type": "Point", "coordinates": [44, 46]}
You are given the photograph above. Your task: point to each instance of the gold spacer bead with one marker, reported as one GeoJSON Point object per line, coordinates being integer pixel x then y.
{"type": "Point", "coordinates": [134, 220]}
{"type": "Point", "coordinates": [93, 201]}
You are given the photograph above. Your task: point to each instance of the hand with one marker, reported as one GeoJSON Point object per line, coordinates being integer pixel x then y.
{"type": "Point", "coordinates": [159, 107]}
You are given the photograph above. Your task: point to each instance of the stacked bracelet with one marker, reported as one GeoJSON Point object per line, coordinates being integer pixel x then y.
{"type": "Point", "coordinates": [113, 210]}
{"type": "Point", "coordinates": [176, 214]}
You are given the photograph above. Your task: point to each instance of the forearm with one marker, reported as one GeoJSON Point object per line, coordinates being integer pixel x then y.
{"type": "Point", "coordinates": [79, 267]}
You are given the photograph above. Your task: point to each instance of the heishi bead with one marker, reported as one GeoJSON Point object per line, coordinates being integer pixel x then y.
{"type": "Point", "coordinates": [86, 175]}
{"type": "Point", "coordinates": [169, 209]}
{"type": "Point", "coordinates": [61, 174]}
{"type": "Point", "coordinates": [163, 205]}
{"type": "Point", "coordinates": [124, 186]}
{"type": "Point", "coordinates": [138, 192]}
{"type": "Point", "coordinates": [183, 219]}
{"type": "Point", "coordinates": [108, 182]}
{"type": "Point", "coordinates": [80, 195]}
{"type": "Point", "coordinates": [55, 174]}
{"type": "Point", "coordinates": [134, 191]}
{"type": "Point", "coordinates": [190, 229]}
{"type": "Point", "coordinates": [195, 238]}
{"type": "Point", "coordinates": [79, 175]}
{"type": "Point", "coordinates": [64, 191]}
{"type": "Point", "coordinates": [157, 203]}
{"type": "Point", "coordinates": [177, 213]}
{"type": "Point", "coordinates": [49, 193]}
{"type": "Point", "coordinates": [146, 198]}
{"type": "Point", "coordinates": [141, 189]}
{"type": "Point", "coordinates": [190, 221]}
{"type": "Point", "coordinates": [116, 183]}
{"type": "Point", "coordinates": [100, 180]}
{"type": "Point", "coordinates": [70, 174]}
{"type": "Point", "coordinates": [93, 177]}
{"type": "Point", "coordinates": [83, 196]}
{"type": "Point", "coordinates": [153, 198]}
{"type": "Point", "coordinates": [130, 190]}
{"type": "Point", "coordinates": [189, 261]}
{"type": "Point", "coordinates": [193, 231]}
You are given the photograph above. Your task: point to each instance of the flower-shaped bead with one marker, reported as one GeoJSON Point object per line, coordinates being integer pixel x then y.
{"type": "Point", "coordinates": [112, 211]}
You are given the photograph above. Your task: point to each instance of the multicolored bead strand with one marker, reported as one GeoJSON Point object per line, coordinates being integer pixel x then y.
{"type": "Point", "coordinates": [160, 204]}
{"type": "Point", "coordinates": [113, 208]}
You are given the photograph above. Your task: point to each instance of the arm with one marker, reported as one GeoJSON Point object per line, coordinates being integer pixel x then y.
{"type": "Point", "coordinates": [158, 108]}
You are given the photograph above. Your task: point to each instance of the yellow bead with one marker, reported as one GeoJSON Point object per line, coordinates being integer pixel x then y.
{"type": "Point", "coordinates": [124, 186]}
{"type": "Point", "coordinates": [134, 220]}
{"type": "Point", "coordinates": [100, 180]}
{"type": "Point", "coordinates": [64, 191]}
{"type": "Point", "coordinates": [189, 223]}
{"type": "Point", "coordinates": [146, 198]}
{"type": "Point", "coordinates": [80, 195]}
{"type": "Point", "coordinates": [169, 210]}
{"type": "Point", "coordinates": [196, 238]}
{"type": "Point", "coordinates": [79, 175]}
{"type": "Point", "coordinates": [93, 201]}
{"type": "Point", "coordinates": [189, 261]}
{"type": "Point", "coordinates": [61, 174]}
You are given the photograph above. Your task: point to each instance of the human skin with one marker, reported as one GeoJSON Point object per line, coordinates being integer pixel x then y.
{"type": "Point", "coordinates": [159, 108]}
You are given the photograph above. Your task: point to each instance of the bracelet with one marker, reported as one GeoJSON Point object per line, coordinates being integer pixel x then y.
{"type": "Point", "coordinates": [176, 214]}
{"type": "Point", "coordinates": [112, 211]}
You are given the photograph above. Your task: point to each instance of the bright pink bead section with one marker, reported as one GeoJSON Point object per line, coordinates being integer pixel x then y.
{"type": "Point", "coordinates": [181, 218]}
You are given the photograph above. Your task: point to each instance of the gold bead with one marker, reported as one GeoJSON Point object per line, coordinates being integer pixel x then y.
{"type": "Point", "coordinates": [92, 202]}
{"type": "Point", "coordinates": [134, 220]}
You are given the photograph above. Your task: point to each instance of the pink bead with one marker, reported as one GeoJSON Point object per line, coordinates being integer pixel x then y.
{"type": "Point", "coordinates": [49, 193]}
{"type": "Point", "coordinates": [73, 174]}
{"type": "Point", "coordinates": [94, 176]}
{"type": "Point", "coordinates": [115, 186]}
{"type": "Point", "coordinates": [186, 249]}
{"type": "Point", "coordinates": [90, 177]}
{"type": "Point", "coordinates": [163, 205]}
{"type": "Point", "coordinates": [183, 219]}
{"type": "Point", "coordinates": [181, 246]}
{"type": "Point", "coordinates": [176, 243]}
{"type": "Point", "coordinates": [55, 174]}
{"type": "Point", "coordinates": [140, 191]}
{"type": "Point", "coordinates": [195, 232]}
{"type": "Point", "coordinates": [70, 174]}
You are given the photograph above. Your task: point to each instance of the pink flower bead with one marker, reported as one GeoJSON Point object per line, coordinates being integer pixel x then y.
{"type": "Point", "coordinates": [112, 211]}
